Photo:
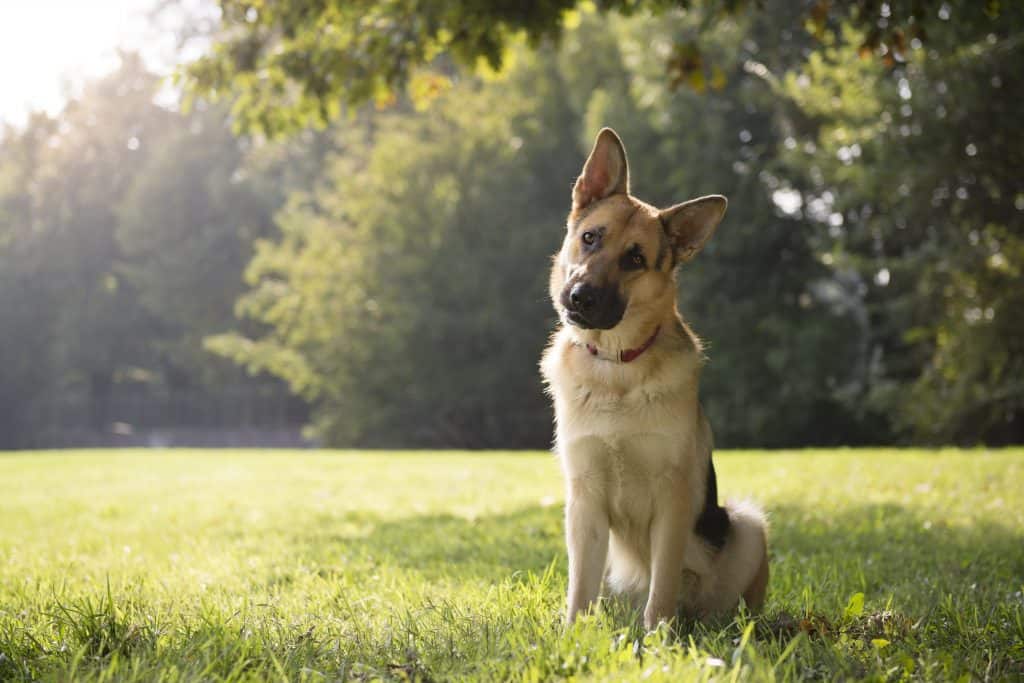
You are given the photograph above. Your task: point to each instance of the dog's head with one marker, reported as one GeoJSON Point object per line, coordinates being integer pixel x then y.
{"type": "Point", "coordinates": [619, 256]}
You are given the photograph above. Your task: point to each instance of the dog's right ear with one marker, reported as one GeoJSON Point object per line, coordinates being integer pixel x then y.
{"type": "Point", "coordinates": [691, 224]}
{"type": "Point", "coordinates": [605, 173]}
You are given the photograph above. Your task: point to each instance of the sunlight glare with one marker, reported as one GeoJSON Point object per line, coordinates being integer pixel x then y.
{"type": "Point", "coordinates": [48, 47]}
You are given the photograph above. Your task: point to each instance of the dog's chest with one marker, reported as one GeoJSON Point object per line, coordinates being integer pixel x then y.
{"type": "Point", "coordinates": [639, 417]}
{"type": "Point", "coordinates": [621, 430]}
{"type": "Point", "coordinates": [620, 447]}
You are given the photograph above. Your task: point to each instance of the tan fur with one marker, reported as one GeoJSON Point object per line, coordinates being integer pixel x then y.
{"type": "Point", "coordinates": [631, 438]}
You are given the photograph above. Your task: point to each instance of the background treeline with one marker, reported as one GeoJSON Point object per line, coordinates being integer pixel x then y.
{"type": "Point", "coordinates": [124, 230]}
{"type": "Point", "coordinates": [389, 270]}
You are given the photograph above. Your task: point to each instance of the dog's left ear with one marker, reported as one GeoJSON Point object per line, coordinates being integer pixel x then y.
{"type": "Point", "coordinates": [691, 224]}
{"type": "Point", "coordinates": [605, 173]}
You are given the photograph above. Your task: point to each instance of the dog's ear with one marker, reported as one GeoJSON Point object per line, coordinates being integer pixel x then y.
{"type": "Point", "coordinates": [691, 224]}
{"type": "Point", "coordinates": [605, 173]}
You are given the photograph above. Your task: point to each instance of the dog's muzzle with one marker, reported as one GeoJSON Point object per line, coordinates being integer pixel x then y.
{"type": "Point", "coordinates": [592, 307]}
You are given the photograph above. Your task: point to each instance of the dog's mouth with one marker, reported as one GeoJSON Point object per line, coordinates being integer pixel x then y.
{"type": "Point", "coordinates": [577, 319]}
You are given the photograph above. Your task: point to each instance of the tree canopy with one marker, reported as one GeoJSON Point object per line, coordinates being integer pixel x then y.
{"type": "Point", "coordinates": [840, 286]}
{"type": "Point", "coordinates": [293, 63]}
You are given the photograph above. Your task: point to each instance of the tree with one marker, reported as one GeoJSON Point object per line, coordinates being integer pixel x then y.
{"type": "Point", "coordinates": [407, 297]}
{"type": "Point", "coordinates": [417, 236]}
{"type": "Point", "coordinates": [185, 229]}
{"type": "Point", "coordinates": [124, 230]}
{"type": "Point", "coordinates": [291, 63]}
{"type": "Point", "coordinates": [25, 300]}
{"type": "Point", "coordinates": [70, 315]}
{"type": "Point", "coordinates": [915, 171]}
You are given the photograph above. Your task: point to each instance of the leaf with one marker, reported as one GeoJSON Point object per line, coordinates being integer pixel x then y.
{"type": "Point", "coordinates": [855, 607]}
{"type": "Point", "coordinates": [718, 78]}
{"type": "Point", "coordinates": [880, 643]}
{"type": "Point", "coordinates": [697, 81]}
{"type": "Point", "coordinates": [686, 66]}
{"type": "Point", "coordinates": [571, 19]}
{"type": "Point", "coordinates": [424, 88]}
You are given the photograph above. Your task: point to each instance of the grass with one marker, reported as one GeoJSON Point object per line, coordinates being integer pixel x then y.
{"type": "Point", "coordinates": [179, 565]}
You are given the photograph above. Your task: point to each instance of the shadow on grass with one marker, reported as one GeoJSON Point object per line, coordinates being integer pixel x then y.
{"type": "Point", "coordinates": [884, 547]}
{"type": "Point", "coordinates": [441, 546]}
{"type": "Point", "coordinates": [868, 548]}
{"type": "Point", "coordinates": [926, 583]}
{"type": "Point", "coordinates": [878, 549]}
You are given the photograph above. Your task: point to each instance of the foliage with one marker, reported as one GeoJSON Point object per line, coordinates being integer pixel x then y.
{"type": "Point", "coordinates": [450, 566]}
{"type": "Point", "coordinates": [862, 289]}
{"type": "Point", "coordinates": [70, 314]}
{"type": "Point", "coordinates": [289, 64]}
{"type": "Point", "coordinates": [912, 170]}
{"type": "Point", "coordinates": [397, 297]}
{"type": "Point", "coordinates": [406, 288]}
{"type": "Point", "coordinates": [124, 228]}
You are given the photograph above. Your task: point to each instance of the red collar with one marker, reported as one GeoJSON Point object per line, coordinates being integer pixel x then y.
{"type": "Point", "coordinates": [629, 354]}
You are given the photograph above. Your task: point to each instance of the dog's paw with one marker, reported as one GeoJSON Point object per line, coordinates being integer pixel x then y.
{"type": "Point", "coordinates": [655, 615]}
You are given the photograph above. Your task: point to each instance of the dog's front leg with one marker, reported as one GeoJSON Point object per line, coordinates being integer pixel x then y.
{"type": "Point", "coordinates": [586, 535]}
{"type": "Point", "coordinates": [668, 548]}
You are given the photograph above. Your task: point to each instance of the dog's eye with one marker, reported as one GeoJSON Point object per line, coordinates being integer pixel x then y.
{"type": "Point", "coordinates": [588, 237]}
{"type": "Point", "coordinates": [638, 259]}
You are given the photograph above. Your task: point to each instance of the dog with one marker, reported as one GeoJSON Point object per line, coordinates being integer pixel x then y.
{"type": "Point", "coordinates": [642, 516]}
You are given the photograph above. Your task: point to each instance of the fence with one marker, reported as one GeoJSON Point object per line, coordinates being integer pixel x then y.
{"type": "Point", "coordinates": [232, 417]}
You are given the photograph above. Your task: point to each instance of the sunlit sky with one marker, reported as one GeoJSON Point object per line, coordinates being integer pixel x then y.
{"type": "Point", "coordinates": [49, 46]}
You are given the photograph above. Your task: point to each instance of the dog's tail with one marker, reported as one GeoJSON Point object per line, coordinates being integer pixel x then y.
{"type": "Point", "coordinates": [740, 567]}
{"type": "Point", "coordinates": [746, 551]}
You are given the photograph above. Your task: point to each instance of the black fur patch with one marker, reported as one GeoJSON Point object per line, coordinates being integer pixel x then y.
{"type": "Point", "coordinates": [663, 250]}
{"type": "Point", "coordinates": [626, 261]}
{"type": "Point", "coordinates": [713, 523]}
{"type": "Point", "coordinates": [666, 246]}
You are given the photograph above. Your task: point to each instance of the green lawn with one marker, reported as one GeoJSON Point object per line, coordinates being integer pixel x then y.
{"type": "Point", "coordinates": [278, 565]}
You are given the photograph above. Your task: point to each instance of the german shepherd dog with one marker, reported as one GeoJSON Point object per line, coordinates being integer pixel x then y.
{"type": "Point", "coordinates": [622, 368]}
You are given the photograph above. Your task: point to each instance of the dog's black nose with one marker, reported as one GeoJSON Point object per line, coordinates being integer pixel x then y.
{"type": "Point", "coordinates": [582, 297]}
